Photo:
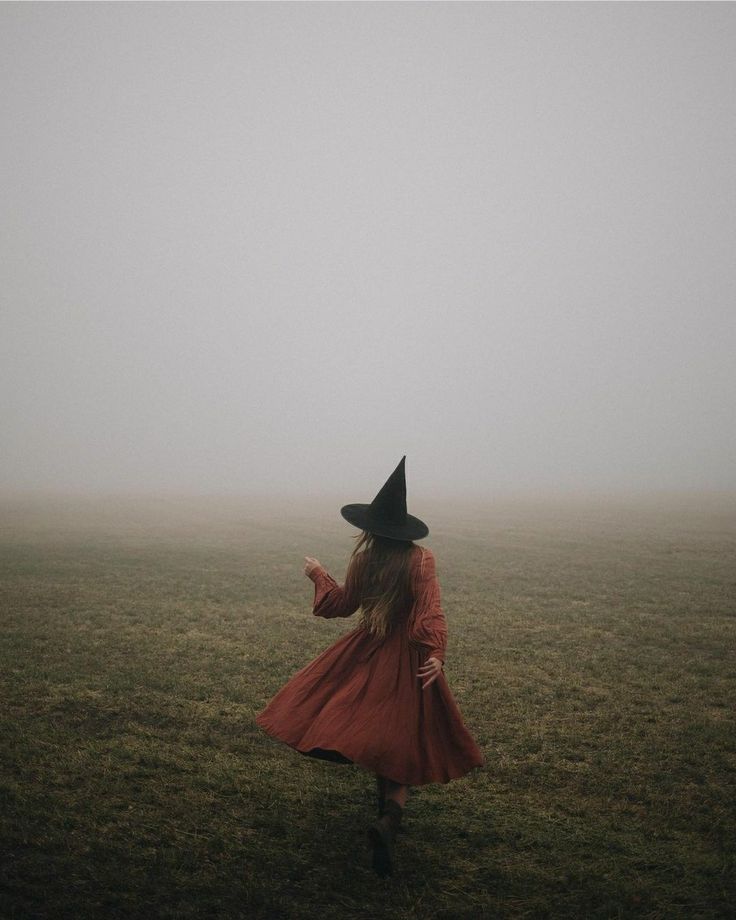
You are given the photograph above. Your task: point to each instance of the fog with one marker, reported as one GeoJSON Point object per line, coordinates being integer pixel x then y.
{"type": "Point", "coordinates": [269, 249]}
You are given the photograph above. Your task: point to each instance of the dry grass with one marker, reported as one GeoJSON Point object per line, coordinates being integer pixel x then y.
{"type": "Point", "coordinates": [591, 652]}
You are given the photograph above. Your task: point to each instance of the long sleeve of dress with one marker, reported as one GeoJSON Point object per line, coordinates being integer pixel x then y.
{"type": "Point", "coordinates": [330, 598]}
{"type": "Point", "coordinates": [427, 624]}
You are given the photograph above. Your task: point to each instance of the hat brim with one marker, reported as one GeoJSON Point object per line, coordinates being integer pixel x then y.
{"type": "Point", "coordinates": [359, 516]}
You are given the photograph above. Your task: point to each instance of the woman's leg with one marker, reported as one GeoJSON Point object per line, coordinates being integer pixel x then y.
{"type": "Point", "coordinates": [382, 833]}
{"type": "Point", "coordinates": [381, 793]}
{"type": "Point", "coordinates": [396, 791]}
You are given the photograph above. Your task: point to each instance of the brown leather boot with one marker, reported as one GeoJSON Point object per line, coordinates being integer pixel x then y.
{"type": "Point", "coordinates": [382, 837]}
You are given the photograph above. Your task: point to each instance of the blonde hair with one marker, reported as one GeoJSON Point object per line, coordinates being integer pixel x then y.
{"type": "Point", "coordinates": [380, 571]}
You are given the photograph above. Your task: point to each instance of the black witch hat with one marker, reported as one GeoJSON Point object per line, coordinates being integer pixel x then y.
{"type": "Point", "coordinates": [386, 515]}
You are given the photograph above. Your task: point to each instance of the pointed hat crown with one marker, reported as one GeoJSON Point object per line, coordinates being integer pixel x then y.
{"type": "Point", "coordinates": [390, 503]}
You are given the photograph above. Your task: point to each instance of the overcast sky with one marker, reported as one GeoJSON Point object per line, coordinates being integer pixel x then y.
{"type": "Point", "coordinates": [273, 247]}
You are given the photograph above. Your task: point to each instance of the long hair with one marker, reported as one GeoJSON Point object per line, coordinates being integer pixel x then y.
{"type": "Point", "coordinates": [380, 571]}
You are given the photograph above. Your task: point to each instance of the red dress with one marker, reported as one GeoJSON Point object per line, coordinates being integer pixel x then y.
{"type": "Point", "coordinates": [361, 701]}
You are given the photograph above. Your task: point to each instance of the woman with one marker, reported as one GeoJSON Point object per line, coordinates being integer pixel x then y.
{"type": "Point", "coordinates": [378, 697]}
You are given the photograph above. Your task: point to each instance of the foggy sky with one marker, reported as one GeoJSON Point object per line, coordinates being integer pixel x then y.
{"type": "Point", "coordinates": [273, 247]}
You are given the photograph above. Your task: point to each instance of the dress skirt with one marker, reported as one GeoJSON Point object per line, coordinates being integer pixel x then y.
{"type": "Point", "coordinates": [361, 701]}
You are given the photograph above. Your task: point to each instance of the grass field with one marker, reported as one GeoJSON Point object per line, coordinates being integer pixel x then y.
{"type": "Point", "coordinates": [591, 651]}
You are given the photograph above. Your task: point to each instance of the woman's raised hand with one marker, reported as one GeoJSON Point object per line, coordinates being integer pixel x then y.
{"type": "Point", "coordinates": [430, 669]}
{"type": "Point", "coordinates": [310, 564]}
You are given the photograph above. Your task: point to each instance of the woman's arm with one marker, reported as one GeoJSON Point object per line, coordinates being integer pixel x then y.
{"type": "Point", "coordinates": [427, 624]}
{"type": "Point", "coordinates": [331, 599]}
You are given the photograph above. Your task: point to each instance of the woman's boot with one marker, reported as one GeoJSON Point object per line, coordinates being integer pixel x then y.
{"type": "Point", "coordinates": [382, 836]}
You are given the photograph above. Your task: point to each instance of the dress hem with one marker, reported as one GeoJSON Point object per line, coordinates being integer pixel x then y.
{"type": "Point", "coordinates": [358, 762]}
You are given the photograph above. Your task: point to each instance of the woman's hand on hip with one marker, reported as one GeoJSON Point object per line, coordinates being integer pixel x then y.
{"type": "Point", "coordinates": [310, 565]}
{"type": "Point", "coordinates": [430, 669]}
